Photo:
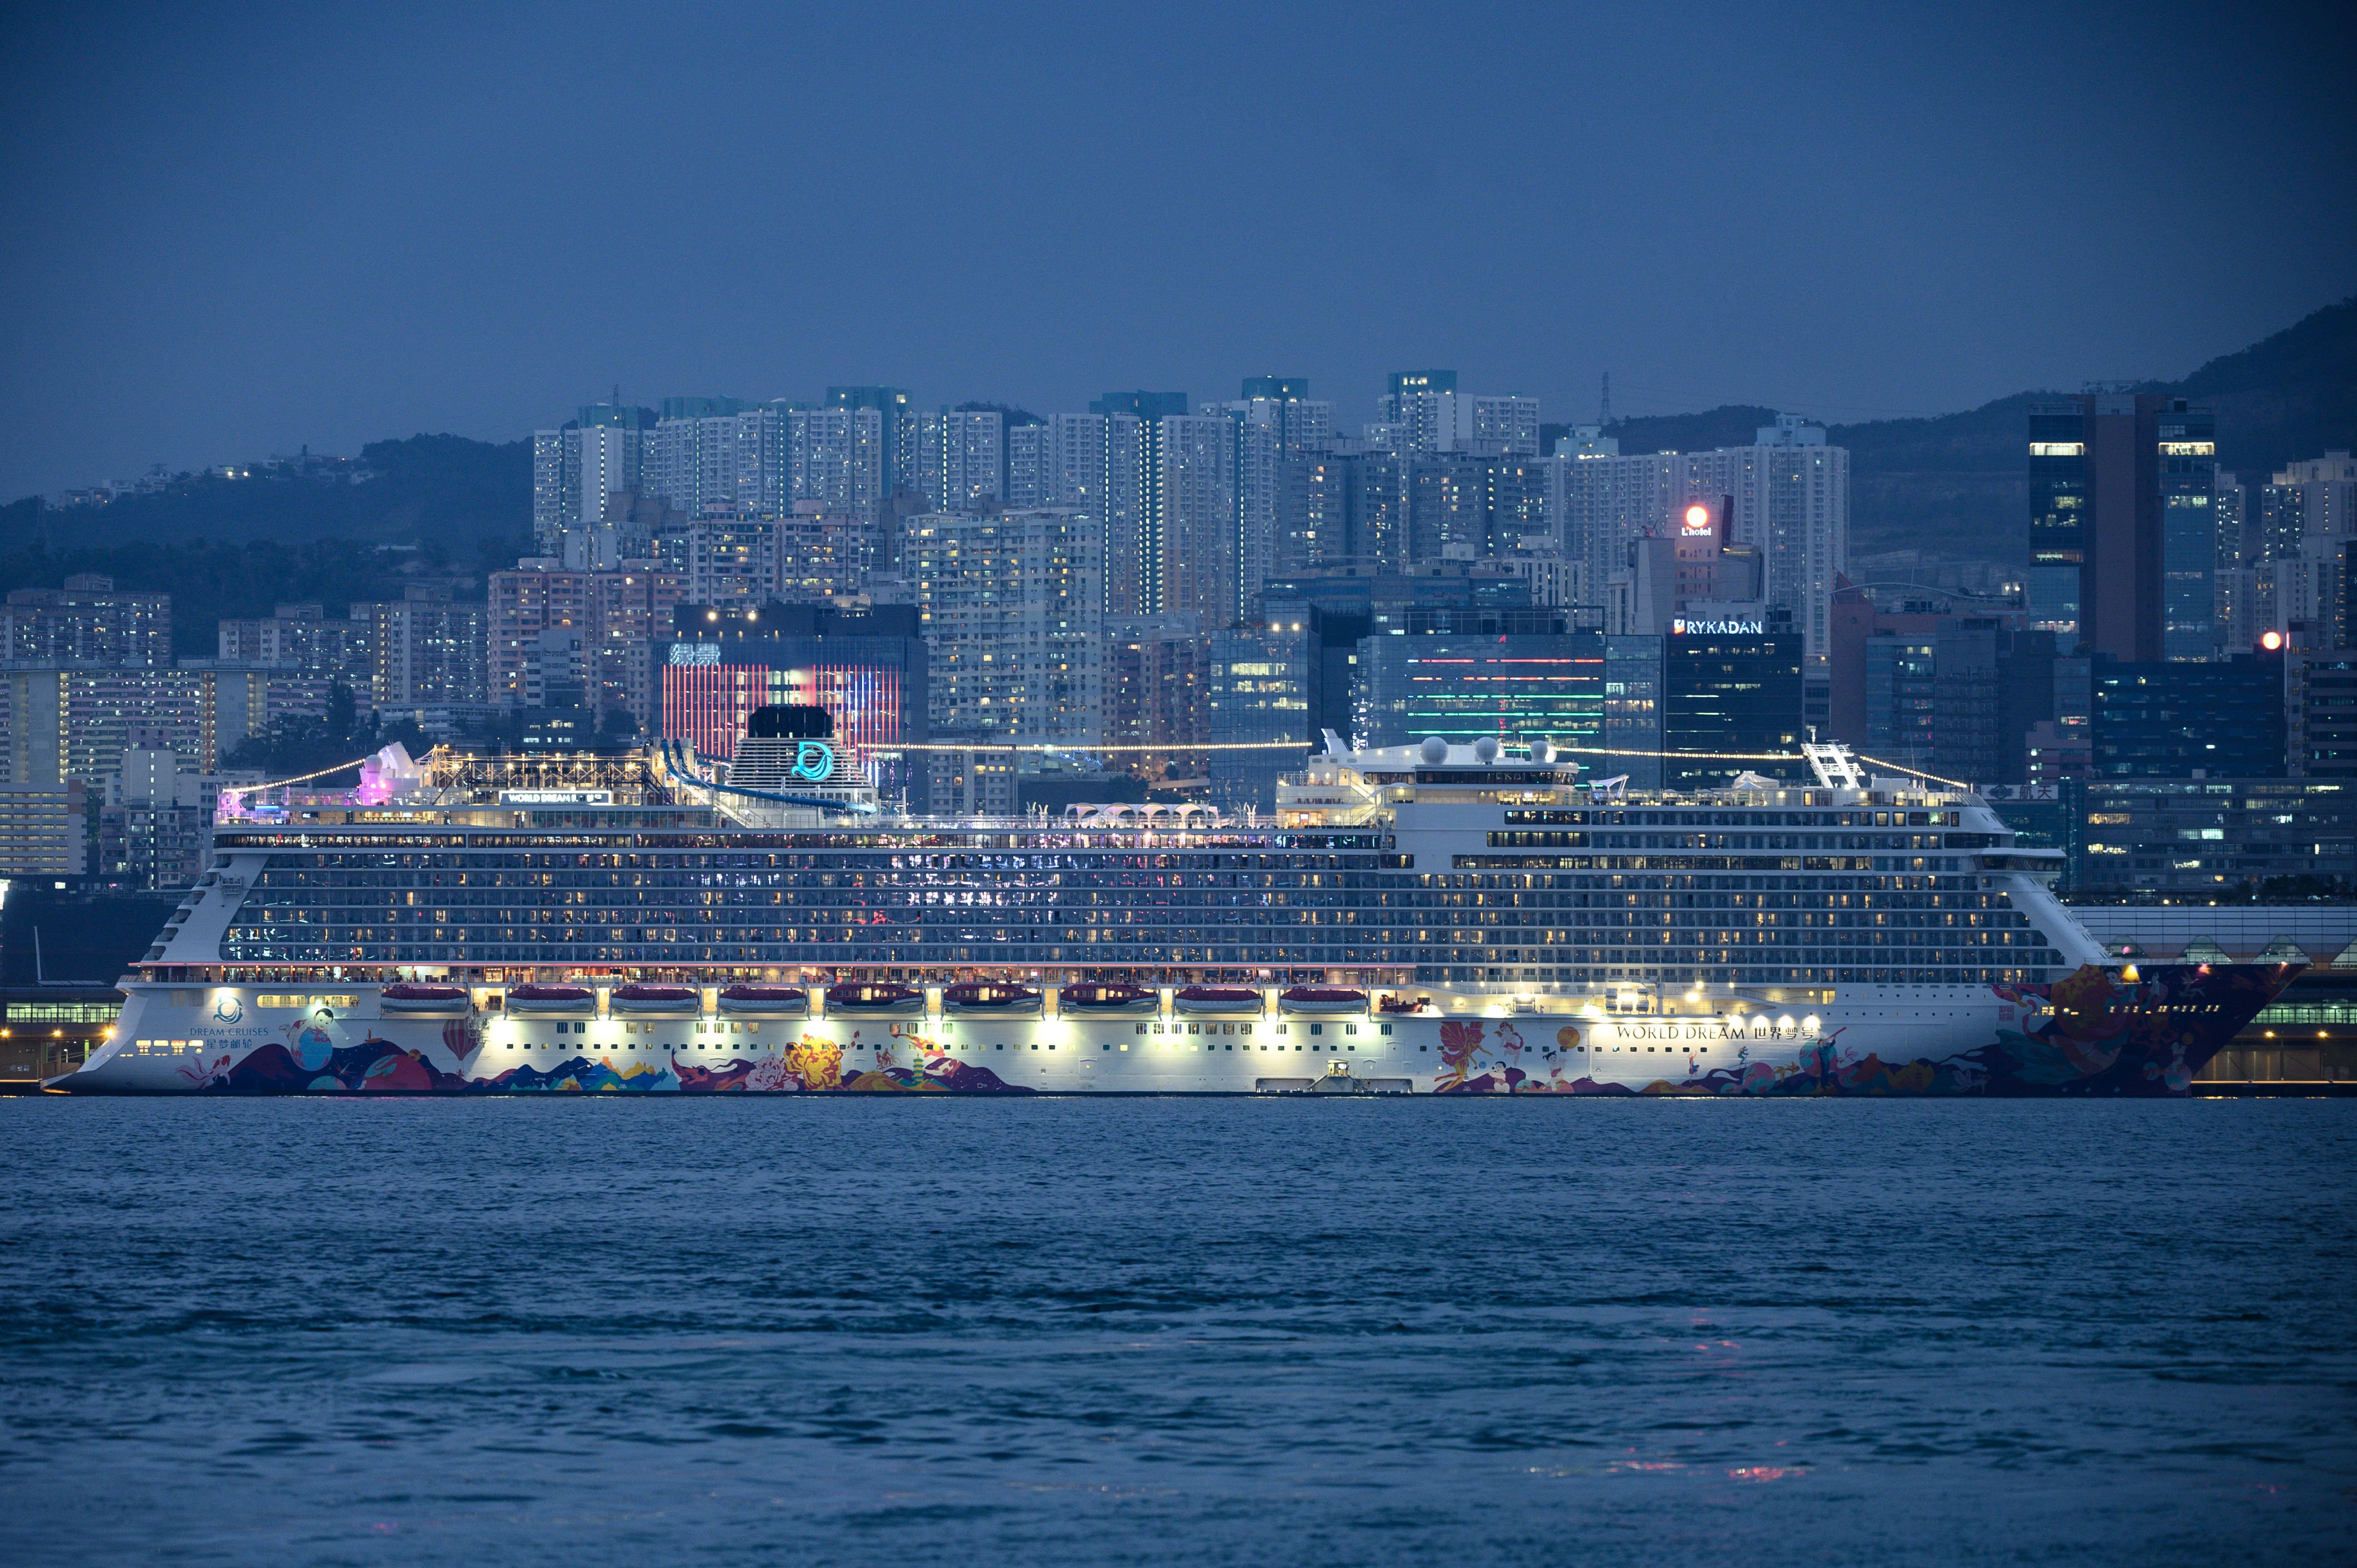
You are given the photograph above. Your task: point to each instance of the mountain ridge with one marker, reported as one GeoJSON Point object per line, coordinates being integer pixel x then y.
{"type": "Point", "coordinates": [1923, 483]}
{"type": "Point", "coordinates": [1919, 482]}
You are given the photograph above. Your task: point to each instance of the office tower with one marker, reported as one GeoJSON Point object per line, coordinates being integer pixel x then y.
{"type": "Point", "coordinates": [1011, 610]}
{"type": "Point", "coordinates": [2185, 475]}
{"type": "Point", "coordinates": [1461, 678]}
{"type": "Point", "coordinates": [2172, 835]}
{"type": "Point", "coordinates": [865, 667]}
{"type": "Point", "coordinates": [1632, 710]}
{"type": "Point", "coordinates": [87, 621]}
{"type": "Point", "coordinates": [962, 459]}
{"type": "Point", "coordinates": [2223, 719]}
{"type": "Point", "coordinates": [1263, 684]}
{"type": "Point", "coordinates": [1154, 683]}
{"type": "Point", "coordinates": [429, 649]}
{"type": "Point", "coordinates": [1902, 694]}
{"type": "Point", "coordinates": [2101, 477]}
{"type": "Point", "coordinates": [2320, 705]}
{"type": "Point", "coordinates": [1731, 703]}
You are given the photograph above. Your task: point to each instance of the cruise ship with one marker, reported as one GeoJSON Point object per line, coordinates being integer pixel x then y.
{"type": "Point", "coordinates": [1434, 919]}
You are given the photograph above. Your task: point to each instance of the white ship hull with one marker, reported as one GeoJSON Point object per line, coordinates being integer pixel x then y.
{"type": "Point", "coordinates": [1919, 1040]}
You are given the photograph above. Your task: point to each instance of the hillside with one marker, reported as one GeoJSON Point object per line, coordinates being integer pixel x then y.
{"type": "Point", "coordinates": [426, 487]}
{"type": "Point", "coordinates": [1927, 484]}
{"type": "Point", "coordinates": [432, 505]}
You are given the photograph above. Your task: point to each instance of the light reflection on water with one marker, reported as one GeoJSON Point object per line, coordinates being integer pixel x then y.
{"type": "Point", "coordinates": [581, 1331]}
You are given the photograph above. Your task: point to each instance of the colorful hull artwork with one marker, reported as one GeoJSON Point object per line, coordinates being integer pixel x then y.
{"type": "Point", "coordinates": [2091, 1033]}
{"type": "Point", "coordinates": [2088, 1035]}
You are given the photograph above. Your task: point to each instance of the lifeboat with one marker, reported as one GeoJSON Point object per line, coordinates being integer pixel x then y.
{"type": "Point", "coordinates": [656, 1001]}
{"type": "Point", "coordinates": [875, 999]}
{"type": "Point", "coordinates": [423, 1001]}
{"type": "Point", "coordinates": [1107, 999]}
{"type": "Point", "coordinates": [765, 1001]}
{"type": "Point", "coordinates": [551, 1001]}
{"type": "Point", "coordinates": [991, 998]}
{"type": "Point", "coordinates": [1228, 999]}
{"type": "Point", "coordinates": [1317, 999]}
{"type": "Point", "coordinates": [1394, 1002]}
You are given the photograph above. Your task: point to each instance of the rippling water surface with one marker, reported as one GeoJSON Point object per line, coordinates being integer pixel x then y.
{"type": "Point", "coordinates": [581, 1331]}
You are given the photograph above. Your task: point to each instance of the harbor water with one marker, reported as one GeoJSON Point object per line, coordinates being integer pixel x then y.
{"type": "Point", "coordinates": [923, 1329]}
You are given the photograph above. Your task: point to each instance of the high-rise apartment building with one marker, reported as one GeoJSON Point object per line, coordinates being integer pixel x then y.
{"type": "Point", "coordinates": [1011, 606]}
{"type": "Point", "coordinates": [1188, 564]}
{"type": "Point", "coordinates": [430, 649]}
{"type": "Point", "coordinates": [730, 558]}
{"type": "Point", "coordinates": [895, 427]}
{"type": "Point", "coordinates": [87, 621]}
{"type": "Point", "coordinates": [62, 724]}
{"type": "Point", "coordinates": [962, 459]}
{"type": "Point", "coordinates": [587, 634]}
{"type": "Point", "coordinates": [839, 458]}
{"type": "Point", "coordinates": [305, 639]}
{"type": "Point", "coordinates": [574, 468]}
{"type": "Point", "coordinates": [1278, 432]}
{"type": "Point", "coordinates": [44, 829]}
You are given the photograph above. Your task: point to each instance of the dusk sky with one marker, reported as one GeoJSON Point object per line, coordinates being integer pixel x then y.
{"type": "Point", "coordinates": [235, 232]}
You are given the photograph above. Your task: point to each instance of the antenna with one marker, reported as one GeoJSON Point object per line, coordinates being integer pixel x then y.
{"type": "Point", "coordinates": [1604, 405]}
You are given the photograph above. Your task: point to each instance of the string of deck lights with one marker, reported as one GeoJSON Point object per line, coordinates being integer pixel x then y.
{"type": "Point", "coordinates": [244, 789]}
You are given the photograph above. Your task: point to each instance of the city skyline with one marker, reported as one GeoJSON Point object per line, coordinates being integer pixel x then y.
{"type": "Point", "coordinates": [1723, 224]}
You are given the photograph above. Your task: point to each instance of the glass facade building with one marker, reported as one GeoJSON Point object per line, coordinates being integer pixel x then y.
{"type": "Point", "coordinates": [2165, 720]}
{"type": "Point", "coordinates": [1463, 687]}
{"type": "Point", "coordinates": [1727, 699]}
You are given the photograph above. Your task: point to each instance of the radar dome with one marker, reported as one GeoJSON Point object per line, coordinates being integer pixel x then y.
{"type": "Point", "coordinates": [1434, 751]}
{"type": "Point", "coordinates": [1542, 751]}
{"type": "Point", "coordinates": [1485, 751]}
